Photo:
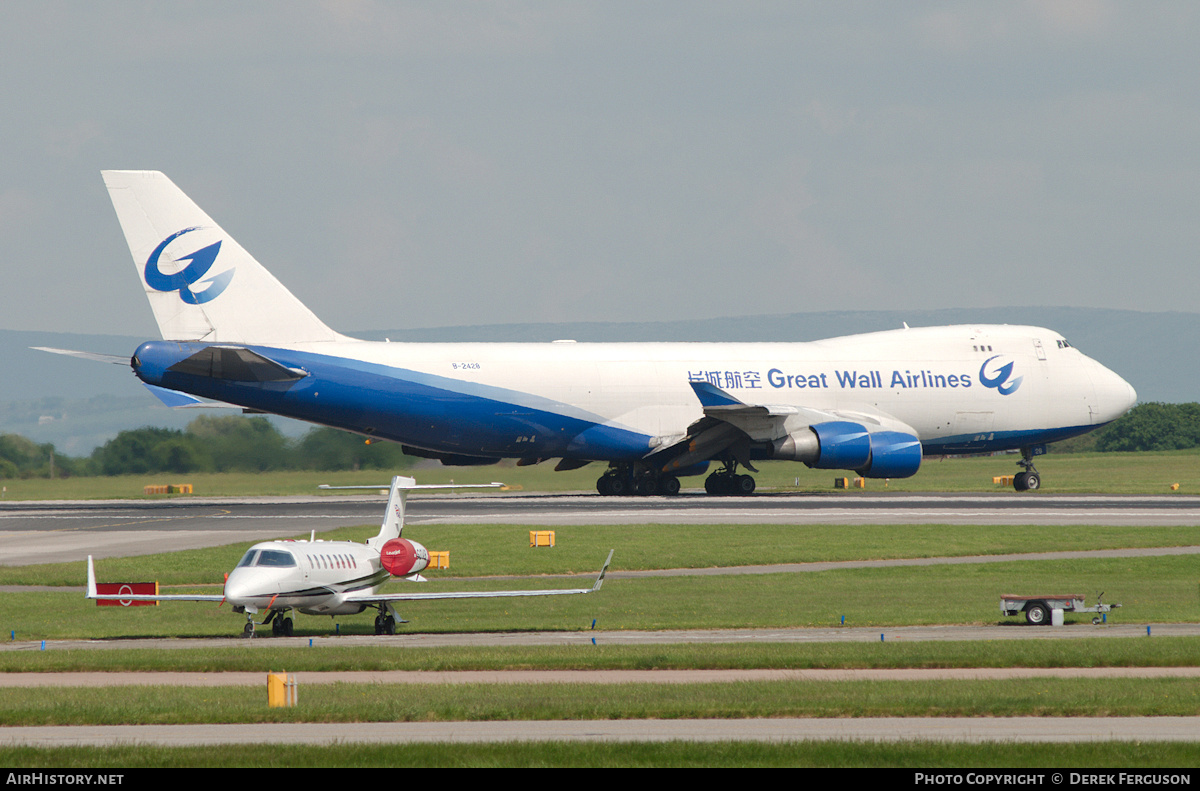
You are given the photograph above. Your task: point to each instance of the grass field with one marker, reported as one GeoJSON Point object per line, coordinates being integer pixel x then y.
{"type": "Point", "coordinates": [167, 705]}
{"type": "Point", "coordinates": [264, 655]}
{"type": "Point", "coordinates": [1113, 473]}
{"type": "Point", "coordinates": [1151, 589]}
{"type": "Point", "coordinates": [1156, 589]}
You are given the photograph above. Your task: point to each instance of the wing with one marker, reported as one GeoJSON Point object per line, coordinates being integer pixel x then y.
{"type": "Point", "coordinates": [733, 427]}
{"type": "Point", "coordinates": [367, 598]}
{"type": "Point", "coordinates": [92, 594]}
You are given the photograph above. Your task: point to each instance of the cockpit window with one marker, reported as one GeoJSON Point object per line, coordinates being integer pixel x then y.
{"type": "Point", "coordinates": [276, 558]}
{"type": "Point", "coordinates": [267, 557]}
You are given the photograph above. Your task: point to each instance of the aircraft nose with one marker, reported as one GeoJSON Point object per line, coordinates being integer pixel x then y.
{"type": "Point", "coordinates": [237, 587]}
{"type": "Point", "coordinates": [1114, 396]}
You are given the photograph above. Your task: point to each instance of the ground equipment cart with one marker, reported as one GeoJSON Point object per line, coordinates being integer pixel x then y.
{"type": "Point", "coordinates": [1037, 609]}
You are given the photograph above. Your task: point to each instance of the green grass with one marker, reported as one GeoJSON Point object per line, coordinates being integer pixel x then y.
{"type": "Point", "coordinates": [1152, 590]}
{"type": "Point", "coordinates": [263, 655]}
{"type": "Point", "coordinates": [914, 755]}
{"type": "Point", "coordinates": [168, 705]}
{"type": "Point", "coordinates": [1111, 473]}
{"type": "Point", "coordinates": [488, 550]}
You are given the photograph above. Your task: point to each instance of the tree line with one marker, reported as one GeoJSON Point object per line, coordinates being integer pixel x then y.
{"type": "Point", "coordinates": [208, 444]}
{"type": "Point", "coordinates": [240, 444]}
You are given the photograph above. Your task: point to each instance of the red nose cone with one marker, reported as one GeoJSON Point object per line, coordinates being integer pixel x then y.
{"type": "Point", "coordinates": [402, 557]}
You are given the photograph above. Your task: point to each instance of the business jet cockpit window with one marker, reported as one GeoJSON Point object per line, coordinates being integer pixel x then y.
{"type": "Point", "coordinates": [275, 557]}
{"type": "Point", "coordinates": [267, 557]}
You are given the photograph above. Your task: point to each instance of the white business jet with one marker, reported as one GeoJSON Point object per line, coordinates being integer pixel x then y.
{"type": "Point", "coordinates": [319, 577]}
{"type": "Point", "coordinates": [873, 403]}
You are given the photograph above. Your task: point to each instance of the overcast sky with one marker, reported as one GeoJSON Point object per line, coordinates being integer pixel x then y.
{"type": "Point", "coordinates": [422, 164]}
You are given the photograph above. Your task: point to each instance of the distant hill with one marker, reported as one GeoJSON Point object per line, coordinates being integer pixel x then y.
{"type": "Point", "coordinates": [78, 405]}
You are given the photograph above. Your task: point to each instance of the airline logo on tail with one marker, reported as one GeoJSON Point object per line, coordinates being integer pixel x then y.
{"type": "Point", "coordinates": [1000, 380]}
{"type": "Point", "coordinates": [182, 281]}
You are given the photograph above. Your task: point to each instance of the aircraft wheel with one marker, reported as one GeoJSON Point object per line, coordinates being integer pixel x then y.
{"type": "Point", "coordinates": [743, 484]}
{"type": "Point", "coordinates": [646, 486]}
{"type": "Point", "coordinates": [603, 484]}
{"type": "Point", "coordinates": [1032, 481]}
{"type": "Point", "coordinates": [1021, 481]}
{"type": "Point", "coordinates": [668, 485]}
{"type": "Point", "coordinates": [389, 625]}
{"type": "Point", "coordinates": [714, 484]}
{"type": "Point", "coordinates": [288, 627]}
{"type": "Point", "coordinates": [276, 627]}
{"type": "Point", "coordinates": [617, 486]}
{"type": "Point", "coordinates": [249, 630]}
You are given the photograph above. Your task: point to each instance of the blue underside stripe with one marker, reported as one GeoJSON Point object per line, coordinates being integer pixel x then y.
{"type": "Point", "coordinates": [424, 410]}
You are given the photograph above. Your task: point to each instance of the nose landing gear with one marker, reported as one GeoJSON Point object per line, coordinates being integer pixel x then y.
{"type": "Point", "coordinates": [1030, 479]}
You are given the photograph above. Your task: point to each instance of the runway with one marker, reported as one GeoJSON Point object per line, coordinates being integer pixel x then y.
{"type": "Point", "coordinates": [42, 532]}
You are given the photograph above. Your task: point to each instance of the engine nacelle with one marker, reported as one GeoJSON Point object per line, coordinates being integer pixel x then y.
{"type": "Point", "coordinates": [402, 557]}
{"type": "Point", "coordinates": [836, 445]}
{"type": "Point", "coordinates": [894, 454]}
{"type": "Point", "coordinates": [842, 445]}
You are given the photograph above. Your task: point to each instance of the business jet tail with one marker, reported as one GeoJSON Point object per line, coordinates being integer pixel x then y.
{"type": "Point", "coordinates": [202, 285]}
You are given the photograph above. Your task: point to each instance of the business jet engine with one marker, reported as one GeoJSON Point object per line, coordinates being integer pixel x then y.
{"type": "Point", "coordinates": [402, 557]}
{"type": "Point", "coordinates": [842, 445]}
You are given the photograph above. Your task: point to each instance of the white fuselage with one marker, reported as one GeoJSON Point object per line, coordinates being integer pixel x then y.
{"type": "Point", "coordinates": [309, 576]}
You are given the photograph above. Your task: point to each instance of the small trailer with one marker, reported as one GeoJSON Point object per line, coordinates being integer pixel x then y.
{"type": "Point", "coordinates": [1037, 609]}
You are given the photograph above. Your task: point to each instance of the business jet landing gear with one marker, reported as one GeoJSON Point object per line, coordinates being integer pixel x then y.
{"type": "Point", "coordinates": [281, 625]}
{"type": "Point", "coordinates": [1030, 479]}
{"type": "Point", "coordinates": [385, 622]}
{"type": "Point", "coordinates": [727, 481]}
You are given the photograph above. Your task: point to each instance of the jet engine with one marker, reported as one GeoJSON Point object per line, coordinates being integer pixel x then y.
{"type": "Point", "coordinates": [894, 454]}
{"type": "Point", "coordinates": [842, 445]}
{"type": "Point", "coordinates": [402, 557]}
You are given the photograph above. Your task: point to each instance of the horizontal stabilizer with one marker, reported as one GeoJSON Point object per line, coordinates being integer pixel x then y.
{"type": "Point", "coordinates": [115, 359]}
{"type": "Point", "coordinates": [235, 364]}
{"type": "Point", "coordinates": [177, 400]}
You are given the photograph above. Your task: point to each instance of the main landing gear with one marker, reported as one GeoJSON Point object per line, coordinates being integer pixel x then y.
{"type": "Point", "coordinates": [727, 481]}
{"type": "Point", "coordinates": [623, 479]}
{"type": "Point", "coordinates": [385, 622]}
{"type": "Point", "coordinates": [1029, 479]}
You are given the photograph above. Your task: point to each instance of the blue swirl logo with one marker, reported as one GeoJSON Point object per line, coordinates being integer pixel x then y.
{"type": "Point", "coordinates": [999, 380]}
{"type": "Point", "coordinates": [182, 281]}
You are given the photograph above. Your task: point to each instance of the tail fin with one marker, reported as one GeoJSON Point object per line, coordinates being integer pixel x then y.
{"type": "Point", "coordinates": [393, 516]}
{"type": "Point", "coordinates": [202, 285]}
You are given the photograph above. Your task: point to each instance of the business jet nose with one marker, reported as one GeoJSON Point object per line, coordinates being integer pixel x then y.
{"type": "Point", "coordinates": [238, 587]}
{"type": "Point", "coordinates": [1114, 396]}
